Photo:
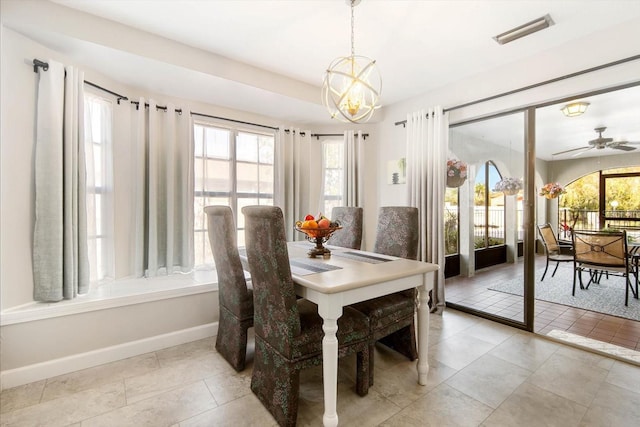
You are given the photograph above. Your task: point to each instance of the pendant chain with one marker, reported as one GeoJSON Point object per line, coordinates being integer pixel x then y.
{"type": "Point", "coordinates": [353, 50]}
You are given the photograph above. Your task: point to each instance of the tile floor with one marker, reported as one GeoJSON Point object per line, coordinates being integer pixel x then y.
{"type": "Point", "coordinates": [482, 374]}
{"type": "Point", "coordinates": [473, 292]}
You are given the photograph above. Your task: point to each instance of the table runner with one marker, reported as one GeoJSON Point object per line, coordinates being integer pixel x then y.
{"type": "Point", "coordinates": [304, 266]}
{"type": "Point", "coordinates": [371, 259]}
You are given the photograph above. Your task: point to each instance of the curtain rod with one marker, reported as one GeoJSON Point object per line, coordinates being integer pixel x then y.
{"type": "Point", "coordinates": [318, 135]}
{"type": "Point", "coordinates": [45, 67]}
{"type": "Point", "coordinates": [234, 121]}
{"type": "Point", "coordinates": [158, 107]}
{"type": "Point", "coordinates": [535, 85]}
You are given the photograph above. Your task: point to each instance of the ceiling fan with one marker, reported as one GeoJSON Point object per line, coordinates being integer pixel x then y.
{"type": "Point", "coordinates": [601, 143]}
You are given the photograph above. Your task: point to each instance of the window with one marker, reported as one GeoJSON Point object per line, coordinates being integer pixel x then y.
{"type": "Point", "coordinates": [601, 200]}
{"type": "Point", "coordinates": [233, 168]}
{"type": "Point", "coordinates": [333, 174]}
{"type": "Point", "coordinates": [98, 157]}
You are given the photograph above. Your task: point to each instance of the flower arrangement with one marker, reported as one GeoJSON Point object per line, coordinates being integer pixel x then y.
{"type": "Point", "coordinates": [509, 186]}
{"type": "Point", "coordinates": [552, 190]}
{"type": "Point", "coordinates": [456, 172]}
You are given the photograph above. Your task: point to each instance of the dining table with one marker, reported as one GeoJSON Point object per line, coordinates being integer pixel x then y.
{"type": "Point", "coordinates": [349, 276]}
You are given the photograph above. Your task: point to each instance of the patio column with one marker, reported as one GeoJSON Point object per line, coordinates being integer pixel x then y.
{"type": "Point", "coordinates": [511, 228]}
{"type": "Point", "coordinates": [466, 243]}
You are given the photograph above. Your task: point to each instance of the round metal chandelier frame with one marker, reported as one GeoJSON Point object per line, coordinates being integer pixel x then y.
{"type": "Point", "coordinates": [352, 85]}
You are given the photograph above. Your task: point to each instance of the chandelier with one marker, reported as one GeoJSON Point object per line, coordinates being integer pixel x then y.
{"type": "Point", "coordinates": [352, 85]}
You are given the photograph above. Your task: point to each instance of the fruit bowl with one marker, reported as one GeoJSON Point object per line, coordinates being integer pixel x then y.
{"type": "Point", "coordinates": [319, 236]}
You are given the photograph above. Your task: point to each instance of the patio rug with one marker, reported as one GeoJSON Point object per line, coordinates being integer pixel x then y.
{"type": "Point", "coordinates": [606, 297]}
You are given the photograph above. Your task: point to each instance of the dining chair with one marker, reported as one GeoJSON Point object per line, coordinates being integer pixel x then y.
{"type": "Point", "coordinates": [392, 316]}
{"type": "Point", "coordinates": [288, 331]}
{"type": "Point", "coordinates": [601, 252]}
{"type": "Point", "coordinates": [553, 249]}
{"type": "Point", "coordinates": [235, 295]}
{"type": "Point", "coordinates": [350, 219]}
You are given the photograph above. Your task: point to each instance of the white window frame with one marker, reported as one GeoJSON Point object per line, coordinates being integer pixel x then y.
{"type": "Point", "coordinates": [100, 218]}
{"type": "Point", "coordinates": [234, 197]}
{"type": "Point", "coordinates": [329, 200]}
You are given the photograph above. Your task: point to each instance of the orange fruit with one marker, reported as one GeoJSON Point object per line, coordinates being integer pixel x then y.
{"type": "Point", "coordinates": [310, 224]}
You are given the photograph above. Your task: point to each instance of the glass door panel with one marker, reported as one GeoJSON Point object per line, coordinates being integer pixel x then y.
{"type": "Point", "coordinates": [484, 218]}
{"type": "Point", "coordinates": [599, 182]}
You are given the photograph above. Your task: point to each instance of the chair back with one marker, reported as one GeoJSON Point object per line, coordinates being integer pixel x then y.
{"type": "Point", "coordinates": [232, 286]}
{"type": "Point", "coordinates": [350, 219]}
{"type": "Point", "coordinates": [602, 249]}
{"type": "Point", "coordinates": [276, 317]}
{"type": "Point", "coordinates": [397, 233]}
{"type": "Point", "coordinates": [549, 239]}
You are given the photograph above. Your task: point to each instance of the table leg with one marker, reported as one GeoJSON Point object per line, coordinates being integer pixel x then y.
{"type": "Point", "coordinates": [330, 317]}
{"type": "Point", "coordinates": [423, 327]}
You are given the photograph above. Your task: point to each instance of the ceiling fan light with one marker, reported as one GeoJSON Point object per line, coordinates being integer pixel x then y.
{"type": "Point", "coordinates": [574, 109]}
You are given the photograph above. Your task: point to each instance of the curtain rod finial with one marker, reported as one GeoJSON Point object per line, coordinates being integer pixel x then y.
{"type": "Point", "coordinates": [37, 63]}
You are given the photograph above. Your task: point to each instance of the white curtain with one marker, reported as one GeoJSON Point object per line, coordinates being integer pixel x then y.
{"type": "Point", "coordinates": [290, 162]}
{"type": "Point", "coordinates": [354, 166]}
{"type": "Point", "coordinates": [60, 260]}
{"type": "Point", "coordinates": [163, 188]}
{"type": "Point", "coordinates": [427, 148]}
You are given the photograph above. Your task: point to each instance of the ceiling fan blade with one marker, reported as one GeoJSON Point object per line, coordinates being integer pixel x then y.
{"type": "Point", "coordinates": [572, 150]}
{"type": "Point", "coordinates": [623, 147]}
{"type": "Point", "coordinates": [583, 151]}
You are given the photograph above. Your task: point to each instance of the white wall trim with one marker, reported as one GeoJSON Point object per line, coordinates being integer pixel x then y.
{"type": "Point", "coordinates": [40, 371]}
{"type": "Point", "coordinates": [82, 304]}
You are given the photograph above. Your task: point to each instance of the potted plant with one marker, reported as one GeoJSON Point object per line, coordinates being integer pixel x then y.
{"type": "Point", "coordinates": [552, 190]}
{"type": "Point", "coordinates": [456, 173]}
{"type": "Point", "coordinates": [509, 186]}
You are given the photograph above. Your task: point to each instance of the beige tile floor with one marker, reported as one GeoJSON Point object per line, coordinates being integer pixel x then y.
{"type": "Point", "coordinates": [482, 374]}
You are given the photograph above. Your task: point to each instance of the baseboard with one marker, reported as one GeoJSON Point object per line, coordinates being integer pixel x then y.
{"type": "Point", "coordinates": [52, 368]}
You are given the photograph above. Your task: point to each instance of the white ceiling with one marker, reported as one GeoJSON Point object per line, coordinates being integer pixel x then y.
{"type": "Point", "coordinates": [419, 46]}
{"type": "Point", "coordinates": [617, 111]}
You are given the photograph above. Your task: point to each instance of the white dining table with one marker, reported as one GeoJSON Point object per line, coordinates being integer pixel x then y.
{"type": "Point", "coordinates": [351, 276]}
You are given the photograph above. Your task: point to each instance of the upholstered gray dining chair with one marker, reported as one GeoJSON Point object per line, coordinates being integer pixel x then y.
{"type": "Point", "coordinates": [392, 316]}
{"type": "Point", "coordinates": [350, 219]}
{"type": "Point", "coordinates": [288, 331]}
{"type": "Point", "coordinates": [234, 295]}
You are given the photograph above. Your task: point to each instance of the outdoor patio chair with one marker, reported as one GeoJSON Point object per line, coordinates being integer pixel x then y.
{"type": "Point", "coordinates": [288, 331]}
{"type": "Point", "coordinates": [234, 295]}
{"type": "Point", "coordinates": [601, 252]}
{"type": "Point", "coordinates": [350, 219]}
{"type": "Point", "coordinates": [553, 249]}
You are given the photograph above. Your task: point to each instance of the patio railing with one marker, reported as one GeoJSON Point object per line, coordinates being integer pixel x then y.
{"type": "Point", "coordinates": [590, 220]}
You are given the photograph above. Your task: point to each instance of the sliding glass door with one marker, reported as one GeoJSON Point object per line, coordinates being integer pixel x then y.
{"type": "Point", "coordinates": [489, 215]}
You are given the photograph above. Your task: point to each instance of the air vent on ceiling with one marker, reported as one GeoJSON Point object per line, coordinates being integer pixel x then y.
{"type": "Point", "coordinates": [525, 29]}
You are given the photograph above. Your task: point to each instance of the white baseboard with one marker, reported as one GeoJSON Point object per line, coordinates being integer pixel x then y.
{"type": "Point", "coordinates": [40, 371]}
